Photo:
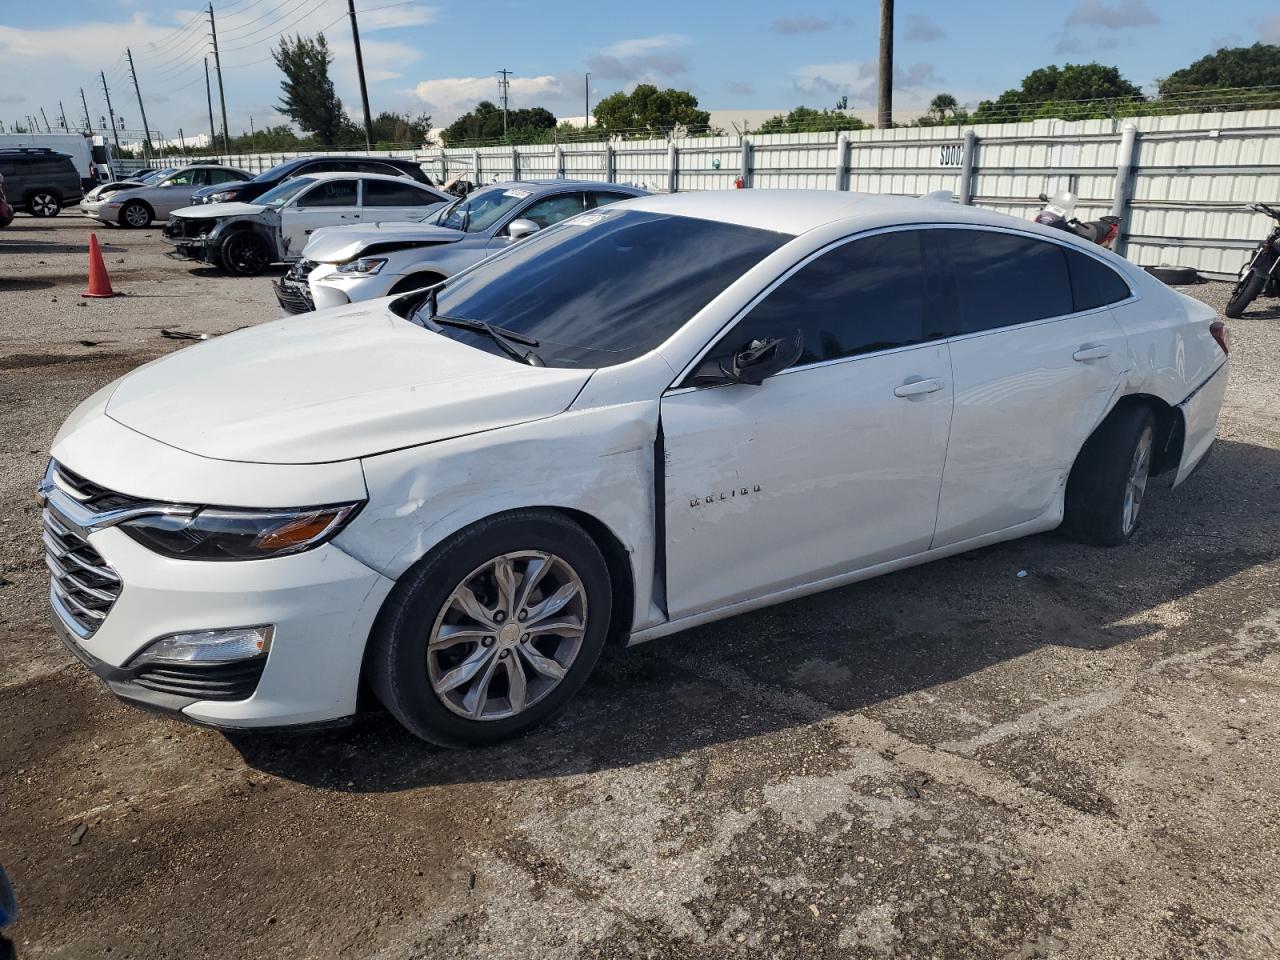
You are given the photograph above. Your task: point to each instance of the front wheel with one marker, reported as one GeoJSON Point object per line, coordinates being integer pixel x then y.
{"type": "Point", "coordinates": [1109, 480]}
{"type": "Point", "coordinates": [1246, 291]}
{"type": "Point", "coordinates": [244, 254]}
{"type": "Point", "coordinates": [135, 214]}
{"type": "Point", "coordinates": [493, 632]}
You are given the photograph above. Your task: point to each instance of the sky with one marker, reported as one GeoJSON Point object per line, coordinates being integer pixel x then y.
{"type": "Point", "coordinates": [440, 56]}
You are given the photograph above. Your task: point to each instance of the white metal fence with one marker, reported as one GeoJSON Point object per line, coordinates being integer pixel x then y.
{"type": "Point", "coordinates": [1178, 183]}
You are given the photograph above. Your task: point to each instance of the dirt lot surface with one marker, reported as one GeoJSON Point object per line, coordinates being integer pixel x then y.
{"type": "Point", "coordinates": [955, 761]}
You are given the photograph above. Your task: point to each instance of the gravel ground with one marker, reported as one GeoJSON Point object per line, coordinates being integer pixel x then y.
{"type": "Point", "coordinates": [952, 762]}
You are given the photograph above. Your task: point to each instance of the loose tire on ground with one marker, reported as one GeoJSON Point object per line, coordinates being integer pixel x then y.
{"type": "Point", "coordinates": [1113, 468]}
{"type": "Point", "coordinates": [135, 214]}
{"type": "Point", "coordinates": [423, 621]}
{"type": "Point", "coordinates": [1245, 293]}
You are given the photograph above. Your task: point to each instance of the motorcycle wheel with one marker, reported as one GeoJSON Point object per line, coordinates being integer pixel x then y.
{"type": "Point", "coordinates": [1245, 293]}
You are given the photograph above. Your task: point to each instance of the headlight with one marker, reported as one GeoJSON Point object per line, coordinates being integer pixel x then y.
{"type": "Point", "coordinates": [217, 534]}
{"type": "Point", "coordinates": [364, 267]}
{"type": "Point", "coordinates": [222, 197]}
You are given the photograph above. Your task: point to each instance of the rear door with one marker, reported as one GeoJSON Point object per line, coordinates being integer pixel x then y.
{"type": "Point", "coordinates": [329, 203]}
{"type": "Point", "coordinates": [828, 467]}
{"type": "Point", "coordinates": [399, 199]}
{"type": "Point", "coordinates": [1036, 363]}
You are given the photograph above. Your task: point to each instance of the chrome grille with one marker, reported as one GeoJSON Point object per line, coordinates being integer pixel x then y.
{"type": "Point", "coordinates": [82, 585]}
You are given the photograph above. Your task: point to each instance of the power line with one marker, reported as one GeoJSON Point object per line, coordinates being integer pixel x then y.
{"type": "Point", "coordinates": [285, 29]}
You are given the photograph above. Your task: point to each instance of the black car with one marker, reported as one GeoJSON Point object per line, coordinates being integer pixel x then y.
{"type": "Point", "coordinates": [252, 189]}
{"type": "Point", "coordinates": [39, 180]}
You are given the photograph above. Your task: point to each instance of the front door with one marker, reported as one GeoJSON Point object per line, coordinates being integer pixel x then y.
{"type": "Point", "coordinates": [545, 213]}
{"type": "Point", "coordinates": [329, 203]}
{"type": "Point", "coordinates": [828, 467]}
{"type": "Point", "coordinates": [1037, 362]}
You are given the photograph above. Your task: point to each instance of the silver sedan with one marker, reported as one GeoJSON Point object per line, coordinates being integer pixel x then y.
{"type": "Point", "coordinates": [137, 206]}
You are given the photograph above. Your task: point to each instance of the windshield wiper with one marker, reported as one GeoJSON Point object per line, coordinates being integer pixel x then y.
{"type": "Point", "coordinates": [506, 339]}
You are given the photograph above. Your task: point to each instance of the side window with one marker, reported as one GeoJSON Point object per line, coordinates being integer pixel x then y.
{"type": "Point", "coordinates": [330, 193]}
{"type": "Point", "coordinates": [1002, 279]}
{"type": "Point", "coordinates": [1093, 283]}
{"type": "Point", "coordinates": [387, 193]}
{"type": "Point", "coordinates": [202, 178]}
{"type": "Point", "coordinates": [223, 176]}
{"type": "Point", "coordinates": [551, 210]}
{"type": "Point", "coordinates": [601, 198]}
{"type": "Point", "coordinates": [184, 179]}
{"type": "Point", "coordinates": [860, 297]}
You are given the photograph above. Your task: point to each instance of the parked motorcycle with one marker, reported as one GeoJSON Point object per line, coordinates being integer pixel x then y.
{"type": "Point", "coordinates": [1258, 275]}
{"type": "Point", "coordinates": [1059, 213]}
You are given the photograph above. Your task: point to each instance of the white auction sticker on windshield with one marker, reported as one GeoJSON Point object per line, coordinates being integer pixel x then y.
{"type": "Point", "coordinates": [586, 219]}
{"type": "Point", "coordinates": [518, 194]}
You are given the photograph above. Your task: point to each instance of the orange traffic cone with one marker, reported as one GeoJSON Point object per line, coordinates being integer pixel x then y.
{"type": "Point", "coordinates": [99, 282]}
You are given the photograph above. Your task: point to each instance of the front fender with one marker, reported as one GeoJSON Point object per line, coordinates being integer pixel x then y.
{"type": "Point", "coordinates": [598, 461]}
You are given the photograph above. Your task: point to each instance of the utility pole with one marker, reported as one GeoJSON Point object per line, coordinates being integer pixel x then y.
{"type": "Point", "coordinates": [65, 128]}
{"type": "Point", "coordinates": [253, 135]}
{"type": "Point", "coordinates": [47, 128]}
{"type": "Point", "coordinates": [88, 124]}
{"type": "Point", "coordinates": [586, 101]}
{"type": "Point", "coordinates": [884, 118]}
{"type": "Point", "coordinates": [364, 91]}
{"type": "Point", "coordinates": [504, 85]}
{"type": "Point", "coordinates": [217, 66]}
{"type": "Point", "coordinates": [115, 136]}
{"type": "Point", "coordinates": [208, 96]}
{"type": "Point", "coordinates": [146, 130]}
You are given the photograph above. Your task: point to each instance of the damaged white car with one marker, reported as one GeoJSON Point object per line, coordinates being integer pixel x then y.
{"type": "Point", "coordinates": [656, 415]}
{"type": "Point", "coordinates": [245, 238]}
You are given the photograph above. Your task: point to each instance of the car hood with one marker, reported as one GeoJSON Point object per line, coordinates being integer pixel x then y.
{"type": "Point", "coordinates": [215, 211]}
{"type": "Point", "coordinates": [112, 187]}
{"type": "Point", "coordinates": [334, 385]}
{"type": "Point", "coordinates": [342, 243]}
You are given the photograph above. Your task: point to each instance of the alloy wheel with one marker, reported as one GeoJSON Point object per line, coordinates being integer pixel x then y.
{"type": "Point", "coordinates": [44, 205]}
{"type": "Point", "coordinates": [1136, 482]}
{"type": "Point", "coordinates": [507, 635]}
{"type": "Point", "coordinates": [243, 255]}
{"type": "Point", "coordinates": [135, 214]}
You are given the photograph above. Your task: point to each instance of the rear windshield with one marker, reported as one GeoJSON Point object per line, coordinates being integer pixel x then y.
{"type": "Point", "coordinates": [603, 287]}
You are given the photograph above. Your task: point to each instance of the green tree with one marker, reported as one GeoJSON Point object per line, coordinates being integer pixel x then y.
{"type": "Point", "coordinates": [1216, 81]}
{"type": "Point", "coordinates": [647, 107]}
{"type": "Point", "coordinates": [808, 120]}
{"type": "Point", "coordinates": [395, 128]}
{"type": "Point", "coordinates": [1070, 92]}
{"type": "Point", "coordinates": [308, 97]}
{"type": "Point", "coordinates": [529, 124]}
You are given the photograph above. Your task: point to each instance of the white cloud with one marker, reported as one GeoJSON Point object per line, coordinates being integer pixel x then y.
{"type": "Point", "coordinates": [859, 80]}
{"type": "Point", "coordinates": [390, 18]}
{"type": "Point", "coordinates": [648, 59]}
{"type": "Point", "coordinates": [1121, 15]}
{"type": "Point", "coordinates": [922, 29]}
{"type": "Point", "coordinates": [447, 98]}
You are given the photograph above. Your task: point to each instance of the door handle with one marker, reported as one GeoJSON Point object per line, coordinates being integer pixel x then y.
{"type": "Point", "coordinates": [1092, 351]}
{"type": "Point", "coordinates": [917, 388]}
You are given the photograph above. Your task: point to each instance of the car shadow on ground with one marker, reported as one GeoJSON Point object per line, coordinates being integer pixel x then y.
{"type": "Point", "coordinates": [219, 273]}
{"type": "Point", "coordinates": [845, 650]}
{"type": "Point", "coordinates": [53, 246]}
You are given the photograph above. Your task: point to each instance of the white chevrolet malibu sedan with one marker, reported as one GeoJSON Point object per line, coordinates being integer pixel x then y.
{"type": "Point", "coordinates": [650, 416]}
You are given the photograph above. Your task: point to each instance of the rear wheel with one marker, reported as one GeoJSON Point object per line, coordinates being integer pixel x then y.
{"type": "Point", "coordinates": [493, 632]}
{"type": "Point", "coordinates": [244, 254]}
{"type": "Point", "coordinates": [1109, 480]}
{"type": "Point", "coordinates": [135, 214]}
{"type": "Point", "coordinates": [42, 203]}
{"type": "Point", "coordinates": [1245, 293]}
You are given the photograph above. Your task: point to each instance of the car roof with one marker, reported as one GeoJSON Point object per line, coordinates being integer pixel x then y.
{"type": "Point", "coordinates": [361, 175]}
{"type": "Point", "coordinates": [799, 211]}
{"type": "Point", "coordinates": [550, 183]}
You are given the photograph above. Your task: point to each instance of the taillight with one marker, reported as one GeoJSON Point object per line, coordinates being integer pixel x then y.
{"type": "Point", "coordinates": [1219, 332]}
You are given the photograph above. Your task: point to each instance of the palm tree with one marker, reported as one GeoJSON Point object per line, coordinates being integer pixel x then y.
{"type": "Point", "coordinates": [942, 105]}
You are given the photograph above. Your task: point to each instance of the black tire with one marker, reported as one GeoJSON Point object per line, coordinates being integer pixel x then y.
{"type": "Point", "coordinates": [417, 281]}
{"type": "Point", "coordinates": [244, 254]}
{"type": "Point", "coordinates": [43, 203]}
{"type": "Point", "coordinates": [397, 657]}
{"type": "Point", "coordinates": [1096, 490]}
{"type": "Point", "coordinates": [1245, 293]}
{"type": "Point", "coordinates": [136, 214]}
{"type": "Point", "coordinates": [1175, 276]}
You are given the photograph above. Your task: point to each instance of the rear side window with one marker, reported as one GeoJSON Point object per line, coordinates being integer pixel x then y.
{"type": "Point", "coordinates": [1093, 283]}
{"type": "Point", "coordinates": [1002, 279]}
{"type": "Point", "coordinates": [860, 297]}
{"type": "Point", "coordinates": [331, 193]}
{"type": "Point", "coordinates": [387, 193]}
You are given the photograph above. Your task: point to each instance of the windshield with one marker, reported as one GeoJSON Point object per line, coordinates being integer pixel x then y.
{"type": "Point", "coordinates": [279, 196]}
{"type": "Point", "coordinates": [478, 211]}
{"type": "Point", "coordinates": [603, 287]}
{"type": "Point", "coordinates": [155, 175]}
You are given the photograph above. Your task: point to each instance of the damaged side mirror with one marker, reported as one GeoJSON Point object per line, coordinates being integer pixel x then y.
{"type": "Point", "coordinates": [753, 363]}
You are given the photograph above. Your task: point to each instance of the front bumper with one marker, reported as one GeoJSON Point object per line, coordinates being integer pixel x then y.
{"type": "Point", "coordinates": [100, 211]}
{"type": "Point", "coordinates": [188, 245]}
{"type": "Point", "coordinates": [322, 604]}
